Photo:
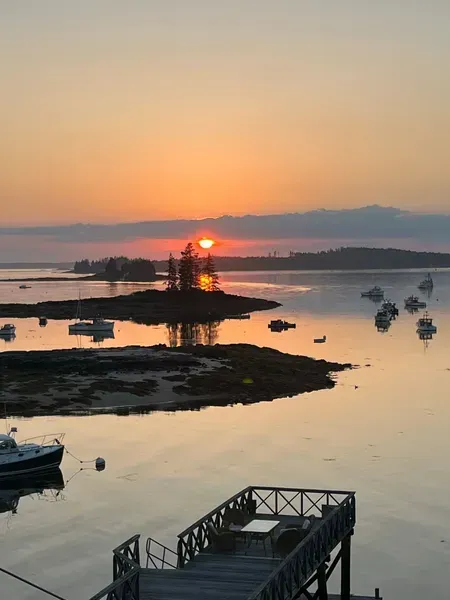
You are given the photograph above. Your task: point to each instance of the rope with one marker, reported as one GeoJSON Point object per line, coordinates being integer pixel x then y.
{"type": "Point", "coordinates": [37, 587]}
{"type": "Point", "coordinates": [80, 461]}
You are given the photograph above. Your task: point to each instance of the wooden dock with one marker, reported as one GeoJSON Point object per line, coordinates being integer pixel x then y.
{"type": "Point", "coordinates": [255, 568]}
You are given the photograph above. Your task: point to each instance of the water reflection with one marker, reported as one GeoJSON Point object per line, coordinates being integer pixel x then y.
{"type": "Point", "coordinates": [190, 334]}
{"type": "Point", "coordinates": [95, 337]}
{"type": "Point", "coordinates": [382, 327]}
{"type": "Point", "coordinates": [44, 486]}
{"type": "Point", "coordinates": [8, 338]}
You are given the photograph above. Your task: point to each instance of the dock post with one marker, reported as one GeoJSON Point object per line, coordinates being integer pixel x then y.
{"type": "Point", "coordinates": [345, 567]}
{"type": "Point", "coordinates": [322, 582]}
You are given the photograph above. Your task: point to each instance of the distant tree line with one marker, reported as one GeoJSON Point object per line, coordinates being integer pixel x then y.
{"type": "Point", "coordinates": [118, 268]}
{"type": "Point", "coordinates": [191, 272]}
{"type": "Point", "coordinates": [336, 259]}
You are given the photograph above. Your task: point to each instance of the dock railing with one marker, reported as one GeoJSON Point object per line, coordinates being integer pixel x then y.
{"type": "Point", "coordinates": [292, 575]}
{"type": "Point", "coordinates": [263, 500]}
{"type": "Point", "coordinates": [126, 570]}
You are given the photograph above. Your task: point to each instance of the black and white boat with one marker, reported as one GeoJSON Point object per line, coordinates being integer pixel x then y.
{"type": "Point", "coordinates": [29, 456]}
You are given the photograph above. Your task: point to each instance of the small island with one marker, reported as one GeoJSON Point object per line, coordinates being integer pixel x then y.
{"type": "Point", "coordinates": [150, 307]}
{"type": "Point", "coordinates": [144, 379]}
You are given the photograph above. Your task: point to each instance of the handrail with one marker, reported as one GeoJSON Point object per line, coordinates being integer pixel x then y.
{"type": "Point", "coordinates": [126, 572]}
{"type": "Point", "coordinates": [153, 557]}
{"type": "Point", "coordinates": [259, 500]}
{"type": "Point", "coordinates": [215, 511]}
{"type": "Point", "coordinates": [37, 587]}
{"type": "Point", "coordinates": [312, 551]}
{"type": "Point", "coordinates": [197, 537]}
{"type": "Point", "coordinates": [121, 588]}
{"type": "Point", "coordinates": [59, 436]}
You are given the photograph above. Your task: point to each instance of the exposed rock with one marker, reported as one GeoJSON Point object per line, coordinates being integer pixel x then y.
{"type": "Point", "coordinates": [155, 378]}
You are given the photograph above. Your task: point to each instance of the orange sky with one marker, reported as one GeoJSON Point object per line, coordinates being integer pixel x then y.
{"type": "Point", "coordinates": [191, 109]}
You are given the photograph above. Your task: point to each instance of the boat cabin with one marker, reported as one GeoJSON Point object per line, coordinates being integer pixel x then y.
{"type": "Point", "coordinates": [7, 444]}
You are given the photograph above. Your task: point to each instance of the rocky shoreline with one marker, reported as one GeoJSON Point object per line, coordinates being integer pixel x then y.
{"type": "Point", "coordinates": [149, 306]}
{"type": "Point", "coordinates": [145, 379]}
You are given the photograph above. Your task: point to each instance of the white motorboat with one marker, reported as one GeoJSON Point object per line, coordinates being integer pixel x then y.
{"type": "Point", "coordinates": [414, 302]}
{"type": "Point", "coordinates": [8, 330]}
{"type": "Point", "coordinates": [95, 325]}
{"type": "Point", "coordinates": [29, 456]}
{"type": "Point", "coordinates": [427, 283]}
{"type": "Point", "coordinates": [375, 292]}
{"type": "Point", "coordinates": [425, 324]}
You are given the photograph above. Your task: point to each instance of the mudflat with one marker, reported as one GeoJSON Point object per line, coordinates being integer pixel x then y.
{"type": "Point", "coordinates": [142, 379]}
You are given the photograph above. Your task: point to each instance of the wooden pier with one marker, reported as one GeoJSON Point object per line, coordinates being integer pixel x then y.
{"type": "Point", "coordinates": [215, 560]}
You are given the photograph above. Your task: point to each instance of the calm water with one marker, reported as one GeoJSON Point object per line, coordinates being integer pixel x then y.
{"type": "Point", "coordinates": [387, 439]}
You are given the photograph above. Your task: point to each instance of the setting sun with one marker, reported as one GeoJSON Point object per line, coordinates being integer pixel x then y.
{"type": "Point", "coordinates": [206, 243]}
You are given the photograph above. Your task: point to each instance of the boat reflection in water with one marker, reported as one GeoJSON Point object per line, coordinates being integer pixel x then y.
{"type": "Point", "coordinates": [382, 326]}
{"type": "Point", "coordinates": [97, 337]}
{"type": "Point", "coordinates": [42, 485]}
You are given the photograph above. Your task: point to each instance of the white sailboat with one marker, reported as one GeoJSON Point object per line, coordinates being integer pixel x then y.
{"type": "Point", "coordinates": [95, 325]}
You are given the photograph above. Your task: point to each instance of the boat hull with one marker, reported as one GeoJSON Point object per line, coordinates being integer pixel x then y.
{"type": "Point", "coordinates": [31, 461]}
{"type": "Point", "coordinates": [88, 328]}
{"type": "Point", "coordinates": [431, 329]}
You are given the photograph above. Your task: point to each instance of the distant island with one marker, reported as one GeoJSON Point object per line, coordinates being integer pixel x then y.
{"type": "Point", "coordinates": [339, 259]}
{"type": "Point", "coordinates": [117, 268]}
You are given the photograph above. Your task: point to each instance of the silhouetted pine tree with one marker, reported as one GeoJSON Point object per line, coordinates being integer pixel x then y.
{"type": "Point", "coordinates": [211, 276]}
{"type": "Point", "coordinates": [172, 275]}
{"type": "Point", "coordinates": [189, 269]}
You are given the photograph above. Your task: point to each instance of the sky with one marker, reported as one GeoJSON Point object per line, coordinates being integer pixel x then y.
{"type": "Point", "coordinates": [143, 110]}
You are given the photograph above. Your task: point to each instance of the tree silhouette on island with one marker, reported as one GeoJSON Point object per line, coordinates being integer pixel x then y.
{"type": "Point", "coordinates": [193, 273]}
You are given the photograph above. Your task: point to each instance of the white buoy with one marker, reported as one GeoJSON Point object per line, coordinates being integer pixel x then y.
{"type": "Point", "coordinates": [100, 464]}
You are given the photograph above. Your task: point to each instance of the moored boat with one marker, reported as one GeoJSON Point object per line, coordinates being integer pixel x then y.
{"type": "Point", "coordinates": [427, 283]}
{"type": "Point", "coordinates": [95, 325]}
{"type": "Point", "coordinates": [28, 456]}
{"type": "Point", "coordinates": [390, 307]}
{"type": "Point", "coordinates": [43, 321]}
{"type": "Point", "coordinates": [414, 302]}
{"type": "Point", "coordinates": [279, 324]}
{"type": "Point", "coordinates": [375, 292]}
{"type": "Point", "coordinates": [8, 330]}
{"type": "Point", "coordinates": [425, 324]}
{"type": "Point", "coordinates": [382, 316]}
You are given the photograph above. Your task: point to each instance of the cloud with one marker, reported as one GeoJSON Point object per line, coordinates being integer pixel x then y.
{"type": "Point", "coordinates": [371, 225]}
{"type": "Point", "coordinates": [364, 223]}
